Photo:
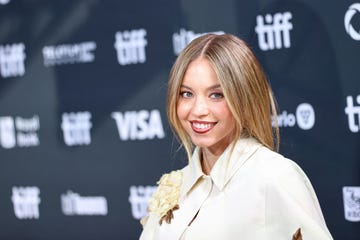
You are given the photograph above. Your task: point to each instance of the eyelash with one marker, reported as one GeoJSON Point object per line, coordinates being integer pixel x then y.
{"type": "Point", "coordinates": [215, 95]}
{"type": "Point", "coordinates": [218, 94]}
{"type": "Point", "coordinates": [182, 94]}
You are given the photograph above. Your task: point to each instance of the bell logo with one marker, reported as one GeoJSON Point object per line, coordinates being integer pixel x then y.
{"type": "Point", "coordinates": [350, 13]}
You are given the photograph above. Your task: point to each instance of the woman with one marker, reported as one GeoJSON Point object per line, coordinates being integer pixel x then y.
{"type": "Point", "coordinates": [235, 185]}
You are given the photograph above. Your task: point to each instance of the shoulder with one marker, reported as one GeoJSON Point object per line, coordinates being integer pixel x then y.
{"type": "Point", "coordinates": [282, 176]}
{"type": "Point", "coordinates": [275, 166]}
{"type": "Point", "coordinates": [286, 183]}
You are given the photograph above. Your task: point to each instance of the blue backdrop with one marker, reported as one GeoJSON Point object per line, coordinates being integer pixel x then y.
{"type": "Point", "coordinates": [83, 129]}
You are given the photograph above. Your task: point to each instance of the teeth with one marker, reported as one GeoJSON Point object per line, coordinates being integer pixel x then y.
{"type": "Point", "coordinates": [202, 125]}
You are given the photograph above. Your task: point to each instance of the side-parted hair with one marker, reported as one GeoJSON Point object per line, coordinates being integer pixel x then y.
{"type": "Point", "coordinates": [243, 82]}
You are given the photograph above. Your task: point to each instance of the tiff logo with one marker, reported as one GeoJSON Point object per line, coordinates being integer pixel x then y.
{"type": "Point", "coordinates": [76, 128]}
{"type": "Point", "coordinates": [130, 46]}
{"type": "Point", "coordinates": [12, 58]}
{"type": "Point", "coordinates": [184, 37]}
{"type": "Point", "coordinates": [353, 113]}
{"type": "Point", "coordinates": [26, 202]}
{"type": "Point", "coordinates": [275, 32]}
{"type": "Point", "coordinates": [139, 200]}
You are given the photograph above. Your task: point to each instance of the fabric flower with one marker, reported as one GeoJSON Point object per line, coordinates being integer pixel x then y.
{"type": "Point", "coordinates": [166, 198]}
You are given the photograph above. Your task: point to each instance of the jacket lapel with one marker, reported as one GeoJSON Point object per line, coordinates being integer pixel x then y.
{"type": "Point", "coordinates": [187, 211]}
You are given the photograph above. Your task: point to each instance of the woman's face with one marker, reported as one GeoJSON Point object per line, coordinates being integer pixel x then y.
{"type": "Point", "coordinates": [202, 108]}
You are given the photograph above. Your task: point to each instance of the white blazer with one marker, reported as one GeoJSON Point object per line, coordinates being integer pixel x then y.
{"type": "Point", "coordinates": [251, 193]}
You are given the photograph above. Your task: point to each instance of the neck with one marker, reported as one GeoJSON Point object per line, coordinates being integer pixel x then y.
{"type": "Point", "coordinates": [208, 160]}
{"type": "Point", "coordinates": [209, 155]}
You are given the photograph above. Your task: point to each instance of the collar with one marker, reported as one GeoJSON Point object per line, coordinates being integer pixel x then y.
{"type": "Point", "coordinates": [224, 168]}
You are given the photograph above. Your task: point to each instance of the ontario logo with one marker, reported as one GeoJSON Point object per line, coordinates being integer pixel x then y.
{"type": "Point", "coordinates": [304, 117]}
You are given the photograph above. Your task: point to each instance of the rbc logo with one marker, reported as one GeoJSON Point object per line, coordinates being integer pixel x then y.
{"type": "Point", "coordinates": [19, 131]}
{"type": "Point", "coordinates": [351, 197]}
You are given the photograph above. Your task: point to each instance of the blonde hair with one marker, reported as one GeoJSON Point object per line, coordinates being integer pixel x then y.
{"type": "Point", "coordinates": [244, 84]}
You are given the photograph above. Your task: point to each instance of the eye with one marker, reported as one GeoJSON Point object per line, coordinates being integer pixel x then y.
{"type": "Point", "coordinates": [186, 94]}
{"type": "Point", "coordinates": [216, 95]}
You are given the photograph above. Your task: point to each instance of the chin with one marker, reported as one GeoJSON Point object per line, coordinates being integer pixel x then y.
{"type": "Point", "coordinates": [202, 144]}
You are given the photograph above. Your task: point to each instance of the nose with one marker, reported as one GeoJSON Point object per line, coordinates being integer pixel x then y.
{"type": "Point", "coordinates": [200, 107]}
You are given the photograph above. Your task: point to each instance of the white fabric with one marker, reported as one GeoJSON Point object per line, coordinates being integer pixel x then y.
{"type": "Point", "coordinates": [251, 194]}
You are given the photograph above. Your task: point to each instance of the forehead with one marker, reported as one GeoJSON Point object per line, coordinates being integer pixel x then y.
{"type": "Point", "coordinates": [200, 73]}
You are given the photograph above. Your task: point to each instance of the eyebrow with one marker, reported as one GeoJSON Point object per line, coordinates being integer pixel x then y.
{"type": "Point", "coordinates": [209, 88]}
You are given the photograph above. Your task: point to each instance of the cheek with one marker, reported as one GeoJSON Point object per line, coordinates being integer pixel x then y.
{"type": "Point", "coordinates": [182, 110]}
{"type": "Point", "coordinates": [225, 114]}
{"type": "Point", "coordinates": [223, 110]}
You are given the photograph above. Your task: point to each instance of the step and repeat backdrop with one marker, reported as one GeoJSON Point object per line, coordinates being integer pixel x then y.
{"type": "Point", "coordinates": [83, 129]}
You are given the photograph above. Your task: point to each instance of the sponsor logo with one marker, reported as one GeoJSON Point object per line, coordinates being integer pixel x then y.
{"type": "Point", "coordinates": [184, 37]}
{"type": "Point", "coordinates": [76, 128]}
{"type": "Point", "coordinates": [74, 204]}
{"type": "Point", "coordinates": [12, 60]}
{"type": "Point", "coordinates": [351, 196]}
{"type": "Point", "coordinates": [274, 31]}
{"type": "Point", "coordinates": [130, 46]}
{"type": "Point", "coordinates": [350, 13]}
{"type": "Point", "coordinates": [304, 117]}
{"type": "Point", "coordinates": [139, 200]}
{"type": "Point", "coordinates": [18, 131]}
{"type": "Point", "coordinates": [69, 53]}
{"type": "Point", "coordinates": [353, 113]}
{"type": "Point", "coordinates": [26, 202]}
{"type": "Point", "coordinates": [139, 125]}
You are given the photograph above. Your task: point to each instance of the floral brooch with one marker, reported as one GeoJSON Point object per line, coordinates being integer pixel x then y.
{"type": "Point", "coordinates": [166, 198]}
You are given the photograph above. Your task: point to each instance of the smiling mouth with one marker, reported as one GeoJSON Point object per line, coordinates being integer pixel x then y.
{"type": "Point", "coordinates": [202, 127]}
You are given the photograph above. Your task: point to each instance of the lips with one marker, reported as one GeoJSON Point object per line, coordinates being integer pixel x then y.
{"type": "Point", "coordinates": [201, 126]}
